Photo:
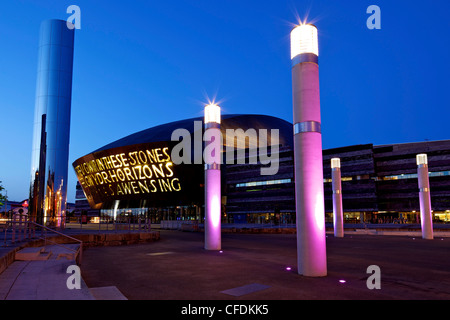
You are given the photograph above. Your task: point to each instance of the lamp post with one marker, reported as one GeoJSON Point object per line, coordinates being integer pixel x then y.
{"type": "Point", "coordinates": [426, 220]}
{"type": "Point", "coordinates": [338, 219]}
{"type": "Point", "coordinates": [213, 196]}
{"type": "Point", "coordinates": [310, 207]}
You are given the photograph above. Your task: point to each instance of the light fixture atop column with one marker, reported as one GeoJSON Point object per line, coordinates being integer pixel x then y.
{"type": "Point", "coordinates": [304, 39]}
{"type": "Point", "coordinates": [335, 163]}
{"type": "Point", "coordinates": [212, 113]}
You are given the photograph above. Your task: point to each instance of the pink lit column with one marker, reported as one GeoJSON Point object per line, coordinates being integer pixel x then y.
{"type": "Point", "coordinates": [338, 218]}
{"type": "Point", "coordinates": [309, 194]}
{"type": "Point", "coordinates": [426, 219]}
{"type": "Point", "coordinates": [213, 196]}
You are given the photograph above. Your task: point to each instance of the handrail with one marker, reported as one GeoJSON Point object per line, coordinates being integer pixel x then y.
{"type": "Point", "coordinates": [57, 244]}
{"type": "Point", "coordinates": [26, 227]}
{"type": "Point", "coordinates": [52, 230]}
{"type": "Point", "coordinates": [79, 251]}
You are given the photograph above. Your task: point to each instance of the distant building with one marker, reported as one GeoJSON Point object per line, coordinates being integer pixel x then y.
{"type": "Point", "coordinates": [15, 207]}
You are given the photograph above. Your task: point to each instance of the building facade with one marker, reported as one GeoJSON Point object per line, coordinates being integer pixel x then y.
{"type": "Point", "coordinates": [379, 183]}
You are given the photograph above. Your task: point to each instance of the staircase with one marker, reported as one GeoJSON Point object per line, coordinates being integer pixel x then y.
{"type": "Point", "coordinates": [43, 273]}
{"type": "Point", "coordinates": [32, 254]}
{"type": "Point", "coordinates": [69, 252]}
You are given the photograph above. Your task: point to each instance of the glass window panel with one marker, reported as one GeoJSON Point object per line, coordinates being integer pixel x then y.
{"type": "Point", "coordinates": [55, 58]}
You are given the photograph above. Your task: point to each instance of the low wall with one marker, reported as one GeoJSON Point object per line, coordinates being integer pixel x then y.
{"type": "Point", "coordinates": [438, 232]}
{"type": "Point", "coordinates": [183, 225]}
{"type": "Point", "coordinates": [102, 239]}
{"type": "Point", "coordinates": [116, 239]}
{"type": "Point", "coordinates": [260, 230]}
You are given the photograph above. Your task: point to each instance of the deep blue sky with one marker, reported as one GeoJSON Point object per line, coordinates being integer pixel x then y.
{"type": "Point", "coordinates": [143, 63]}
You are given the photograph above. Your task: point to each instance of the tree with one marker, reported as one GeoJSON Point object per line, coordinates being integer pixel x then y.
{"type": "Point", "coordinates": [2, 197]}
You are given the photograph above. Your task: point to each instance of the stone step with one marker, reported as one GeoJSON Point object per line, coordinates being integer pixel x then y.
{"type": "Point", "coordinates": [107, 293]}
{"type": "Point", "coordinates": [65, 251]}
{"type": "Point", "coordinates": [32, 254]}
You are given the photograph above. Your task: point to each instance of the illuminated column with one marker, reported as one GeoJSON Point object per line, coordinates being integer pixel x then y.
{"type": "Point", "coordinates": [310, 207]}
{"type": "Point", "coordinates": [426, 220]}
{"type": "Point", "coordinates": [213, 196]}
{"type": "Point", "coordinates": [338, 218]}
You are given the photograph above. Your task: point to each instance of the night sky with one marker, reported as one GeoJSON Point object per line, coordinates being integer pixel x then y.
{"type": "Point", "coordinates": [143, 63]}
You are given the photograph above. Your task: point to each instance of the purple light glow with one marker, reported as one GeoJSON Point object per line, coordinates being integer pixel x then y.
{"type": "Point", "coordinates": [213, 195]}
{"type": "Point", "coordinates": [342, 281]}
{"type": "Point", "coordinates": [212, 210]}
{"type": "Point", "coordinates": [288, 268]}
{"type": "Point", "coordinates": [309, 188]}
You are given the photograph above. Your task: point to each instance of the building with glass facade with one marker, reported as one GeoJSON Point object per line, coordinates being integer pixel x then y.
{"type": "Point", "coordinates": [139, 171]}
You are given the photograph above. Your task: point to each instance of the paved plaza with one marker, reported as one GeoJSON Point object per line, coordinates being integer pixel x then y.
{"type": "Point", "coordinates": [256, 267]}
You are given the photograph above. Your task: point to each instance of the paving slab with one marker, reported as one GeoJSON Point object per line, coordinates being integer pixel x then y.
{"type": "Point", "coordinates": [107, 293]}
{"type": "Point", "coordinates": [41, 280]}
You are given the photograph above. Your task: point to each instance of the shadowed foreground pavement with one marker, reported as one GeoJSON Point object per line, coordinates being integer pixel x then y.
{"type": "Point", "coordinates": [178, 268]}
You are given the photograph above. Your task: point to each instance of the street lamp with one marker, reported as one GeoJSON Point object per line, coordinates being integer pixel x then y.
{"type": "Point", "coordinates": [338, 219]}
{"type": "Point", "coordinates": [213, 194]}
{"type": "Point", "coordinates": [426, 219]}
{"type": "Point", "coordinates": [309, 193]}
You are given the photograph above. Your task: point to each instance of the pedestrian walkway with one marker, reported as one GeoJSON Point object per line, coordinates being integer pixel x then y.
{"type": "Point", "coordinates": [249, 267]}
{"type": "Point", "coordinates": [264, 267]}
{"type": "Point", "coordinates": [43, 274]}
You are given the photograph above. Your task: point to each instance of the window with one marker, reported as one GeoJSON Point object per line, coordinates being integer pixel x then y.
{"type": "Point", "coordinates": [262, 183]}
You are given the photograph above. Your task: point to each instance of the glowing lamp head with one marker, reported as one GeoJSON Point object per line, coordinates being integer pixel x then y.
{"type": "Point", "coordinates": [335, 163]}
{"type": "Point", "coordinates": [212, 113]}
{"type": "Point", "coordinates": [421, 159]}
{"type": "Point", "coordinates": [304, 40]}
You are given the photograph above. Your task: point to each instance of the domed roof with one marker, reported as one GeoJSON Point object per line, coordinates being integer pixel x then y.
{"type": "Point", "coordinates": [231, 121]}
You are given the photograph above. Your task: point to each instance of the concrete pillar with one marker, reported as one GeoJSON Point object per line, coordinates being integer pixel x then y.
{"type": "Point", "coordinates": [426, 219]}
{"type": "Point", "coordinates": [338, 212]}
{"type": "Point", "coordinates": [309, 194]}
{"type": "Point", "coordinates": [212, 155]}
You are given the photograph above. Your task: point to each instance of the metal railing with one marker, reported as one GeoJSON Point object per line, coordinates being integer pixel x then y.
{"type": "Point", "coordinates": [128, 223]}
{"type": "Point", "coordinates": [23, 230]}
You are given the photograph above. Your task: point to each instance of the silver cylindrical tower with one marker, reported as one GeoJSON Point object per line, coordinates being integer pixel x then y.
{"type": "Point", "coordinates": [50, 148]}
